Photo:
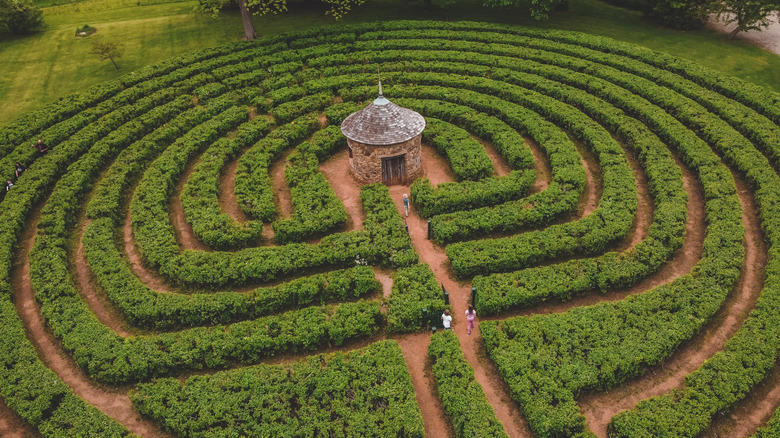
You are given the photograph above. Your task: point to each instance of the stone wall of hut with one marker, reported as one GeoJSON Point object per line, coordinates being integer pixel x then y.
{"type": "Point", "coordinates": [365, 161]}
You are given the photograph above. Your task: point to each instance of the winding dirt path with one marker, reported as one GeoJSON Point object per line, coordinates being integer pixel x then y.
{"type": "Point", "coordinates": [87, 286]}
{"type": "Point", "coordinates": [541, 165]}
{"type": "Point", "coordinates": [112, 402]}
{"type": "Point", "coordinates": [227, 196]}
{"type": "Point", "coordinates": [13, 426]}
{"type": "Point", "coordinates": [644, 209]}
{"type": "Point", "coordinates": [150, 279]}
{"type": "Point", "coordinates": [336, 171]}
{"type": "Point", "coordinates": [484, 371]}
{"type": "Point", "coordinates": [599, 408]}
{"type": "Point", "coordinates": [185, 237]}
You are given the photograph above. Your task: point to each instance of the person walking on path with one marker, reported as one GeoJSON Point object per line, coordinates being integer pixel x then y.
{"type": "Point", "coordinates": [406, 204]}
{"type": "Point", "coordinates": [446, 319]}
{"type": "Point", "coordinates": [41, 146]}
{"type": "Point", "coordinates": [8, 185]}
{"type": "Point", "coordinates": [19, 169]}
{"type": "Point", "coordinates": [471, 314]}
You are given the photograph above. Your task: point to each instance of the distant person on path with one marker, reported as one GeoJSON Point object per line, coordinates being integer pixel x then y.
{"type": "Point", "coordinates": [41, 146]}
{"type": "Point", "coordinates": [8, 185]}
{"type": "Point", "coordinates": [406, 204]}
{"type": "Point", "coordinates": [471, 314]}
{"type": "Point", "coordinates": [446, 319]}
{"type": "Point", "coordinates": [19, 170]}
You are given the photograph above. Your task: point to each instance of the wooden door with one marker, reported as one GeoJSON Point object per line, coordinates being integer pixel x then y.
{"type": "Point", "coordinates": [394, 170]}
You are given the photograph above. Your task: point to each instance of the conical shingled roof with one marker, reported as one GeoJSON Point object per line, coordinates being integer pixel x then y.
{"type": "Point", "coordinates": [382, 123]}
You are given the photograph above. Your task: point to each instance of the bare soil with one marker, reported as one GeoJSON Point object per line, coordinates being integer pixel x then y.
{"type": "Point", "coordinates": [88, 288]}
{"type": "Point", "coordinates": [184, 235]}
{"type": "Point", "coordinates": [227, 196]}
{"type": "Point", "coordinates": [767, 39]}
{"type": "Point", "coordinates": [149, 278]}
{"type": "Point", "coordinates": [13, 426]}
{"type": "Point", "coordinates": [336, 171]}
{"type": "Point", "coordinates": [600, 407]}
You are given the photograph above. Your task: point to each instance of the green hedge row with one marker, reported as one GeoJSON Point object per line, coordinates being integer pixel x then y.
{"type": "Point", "coordinates": [363, 393]}
{"type": "Point", "coordinates": [147, 308]}
{"type": "Point", "coordinates": [468, 195]}
{"type": "Point", "coordinates": [317, 211]}
{"type": "Point", "coordinates": [416, 300]}
{"type": "Point", "coordinates": [467, 156]}
{"type": "Point", "coordinates": [252, 181]}
{"type": "Point", "coordinates": [111, 190]}
{"type": "Point", "coordinates": [461, 395]}
{"type": "Point", "coordinates": [199, 198]}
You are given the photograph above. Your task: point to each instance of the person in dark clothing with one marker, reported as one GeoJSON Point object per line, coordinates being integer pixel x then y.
{"type": "Point", "coordinates": [19, 170]}
{"type": "Point", "coordinates": [41, 146]}
{"type": "Point", "coordinates": [8, 185]}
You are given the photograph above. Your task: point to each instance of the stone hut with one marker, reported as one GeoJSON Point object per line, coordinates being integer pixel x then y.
{"type": "Point", "coordinates": [384, 142]}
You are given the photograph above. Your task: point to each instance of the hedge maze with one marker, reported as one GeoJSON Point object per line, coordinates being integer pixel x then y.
{"type": "Point", "coordinates": [277, 323]}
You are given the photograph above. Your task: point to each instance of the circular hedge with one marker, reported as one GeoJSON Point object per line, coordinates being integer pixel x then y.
{"type": "Point", "coordinates": [120, 149]}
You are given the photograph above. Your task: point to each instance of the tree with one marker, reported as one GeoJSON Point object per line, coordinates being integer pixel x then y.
{"type": "Point", "coordinates": [678, 14]}
{"type": "Point", "coordinates": [540, 9]}
{"type": "Point", "coordinates": [20, 16]}
{"type": "Point", "coordinates": [747, 14]}
{"type": "Point", "coordinates": [338, 8]}
{"type": "Point", "coordinates": [106, 50]}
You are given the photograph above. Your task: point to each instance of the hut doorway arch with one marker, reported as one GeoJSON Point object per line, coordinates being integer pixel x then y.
{"type": "Point", "coordinates": [394, 170]}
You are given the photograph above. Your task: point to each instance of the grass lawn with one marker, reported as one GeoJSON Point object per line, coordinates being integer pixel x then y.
{"type": "Point", "coordinates": [39, 68]}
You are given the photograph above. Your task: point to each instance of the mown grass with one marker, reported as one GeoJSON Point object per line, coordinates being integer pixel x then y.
{"type": "Point", "coordinates": [52, 63]}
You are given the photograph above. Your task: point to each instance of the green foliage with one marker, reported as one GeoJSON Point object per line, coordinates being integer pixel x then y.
{"type": "Point", "coordinates": [467, 157]}
{"type": "Point", "coordinates": [416, 299]}
{"type": "Point", "coordinates": [461, 395]}
{"type": "Point", "coordinates": [20, 16]}
{"type": "Point", "coordinates": [678, 14]}
{"type": "Point", "coordinates": [747, 14]}
{"type": "Point", "coordinates": [363, 393]}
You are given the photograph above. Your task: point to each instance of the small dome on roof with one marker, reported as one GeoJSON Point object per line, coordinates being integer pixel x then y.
{"type": "Point", "coordinates": [382, 123]}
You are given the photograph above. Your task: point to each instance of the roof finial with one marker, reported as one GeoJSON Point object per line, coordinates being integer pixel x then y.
{"type": "Point", "coordinates": [379, 74]}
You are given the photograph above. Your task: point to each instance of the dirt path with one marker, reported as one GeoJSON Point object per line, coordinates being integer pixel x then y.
{"type": "Point", "coordinates": [750, 413]}
{"type": "Point", "coordinates": [87, 286]}
{"type": "Point", "coordinates": [279, 185]}
{"type": "Point", "coordinates": [115, 404]}
{"type": "Point", "coordinates": [185, 237]}
{"type": "Point", "coordinates": [415, 349]}
{"type": "Point", "coordinates": [485, 372]}
{"type": "Point", "coordinates": [500, 165]}
{"type": "Point", "coordinates": [227, 196]}
{"type": "Point", "coordinates": [13, 426]}
{"type": "Point", "coordinates": [593, 187]}
{"type": "Point", "coordinates": [644, 209]}
{"type": "Point", "coordinates": [768, 39]}
{"type": "Point", "coordinates": [147, 277]}
{"type": "Point", "coordinates": [600, 407]}
{"type": "Point", "coordinates": [336, 171]}
{"type": "Point", "coordinates": [541, 165]}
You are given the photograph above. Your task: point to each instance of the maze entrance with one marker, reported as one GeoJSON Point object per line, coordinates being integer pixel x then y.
{"type": "Point", "coordinates": [394, 170]}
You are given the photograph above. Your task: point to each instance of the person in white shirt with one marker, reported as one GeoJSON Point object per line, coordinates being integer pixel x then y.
{"type": "Point", "coordinates": [446, 319]}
